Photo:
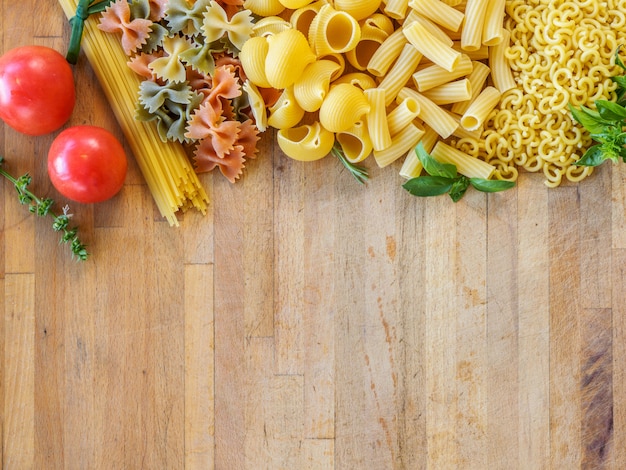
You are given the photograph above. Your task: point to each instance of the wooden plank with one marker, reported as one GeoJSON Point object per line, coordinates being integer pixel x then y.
{"type": "Point", "coordinates": [565, 314]}
{"type": "Point", "coordinates": [199, 407]}
{"type": "Point", "coordinates": [533, 286]}
{"type": "Point", "coordinates": [618, 367]}
{"type": "Point", "coordinates": [18, 445]}
{"type": "Point", "coordinates": [471, 351]}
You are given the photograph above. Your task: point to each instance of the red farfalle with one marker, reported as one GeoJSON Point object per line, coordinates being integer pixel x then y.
{"type": "Point", "coordinates": [248, 138]}
{"type": "Point", "coordinates": [139, 64]}
{"type": "Point", "coordinates": [231, 165]}
{"type": "Point", "coordinates": [116, 19]}
{"type": "Point", "coordinates": [208, 123]}
{"type": "Point", "coordinates": [157, 9]}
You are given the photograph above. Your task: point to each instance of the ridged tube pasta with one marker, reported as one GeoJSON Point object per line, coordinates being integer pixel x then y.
{"type": "Point", "coordinates": [264, 7]}
{"type": "Point", "coordinates": [466, 165]}
{"type": "Point", "coordinates": [451, 92]}
{"type": "Point", "coordinates": [403, 114]}
{"type": "Point", "coordinates": [344, 105]}
{"type": "Point", "coordinates": [314, 83]}
{"type": "Point", "coordinates": [358, 9]}
{"type": "Point", "coordinates": [387, 53]}
{"type": "Point", "coordinates": [306, 143]}
{"type": "Point", "coordinates": [252, 56]}
{"type": "Point", "coordinates": [412, 166]}
{"type": "Point", "coordinates": [439, 12]}
{"type": "Point", "coordinates": [333, 31]}
{"type": "Point", "coordinates": [480, 108]}
{"type": "Point", "coordinates": [404, 140]}
{"type": "Point", "coordinates": [400, 73]}
{"type": "Point", "coordinates": [287, 56]}
{"type": "Point", "coordinates": [438, 51]}
{"type": "Point", "coordinates": [355, 142]}
{"type": "Point", "coordinates": [286, 112]}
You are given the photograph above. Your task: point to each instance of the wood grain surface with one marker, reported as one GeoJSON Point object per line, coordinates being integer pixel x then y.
{"type": "Point", "coordinates": [308, 322]}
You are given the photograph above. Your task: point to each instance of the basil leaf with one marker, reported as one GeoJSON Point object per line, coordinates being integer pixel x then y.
{"type": "Point", "coordinates": [491, 186]}
{"type": "Point", "coordinates": [458, 188]}
{"type": "Point", "coordinates": [610, 111]}
{"type": "Point", "coordinates": [589, 119]}
{"type": "Point", "coordinates": [620, 80]}
{"type": "Point", "coordinates": [432, 166]}
{"type": "Point", "coordinates": [425, 186]}
{"type": "Point", "coordinates": [594, 156]}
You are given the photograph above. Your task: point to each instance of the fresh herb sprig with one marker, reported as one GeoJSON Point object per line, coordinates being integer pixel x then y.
{"type": "Point", "coordinates": [359, 173]}
{"type": "Point", "coordinates": [443, 178]}
{"type": "Point", "coordinates": [605, 124]}
{"type": "Point", "coordinates": [43, 207]}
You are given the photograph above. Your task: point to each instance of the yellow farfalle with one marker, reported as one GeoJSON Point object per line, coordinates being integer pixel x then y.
{"type": "Point", "coordinates": [170, 67]}
{"type": "Point", "coordinates": [216, 24]}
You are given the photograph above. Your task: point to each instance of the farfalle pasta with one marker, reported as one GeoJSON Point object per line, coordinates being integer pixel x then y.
{"type": "Point", "coordinates": [192, 80]}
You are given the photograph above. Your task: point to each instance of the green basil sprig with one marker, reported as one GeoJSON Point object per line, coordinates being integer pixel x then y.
{"type": "Point", "coordinates": [443, 178]}
{"type": "Point", "coordinates": [605, 124]}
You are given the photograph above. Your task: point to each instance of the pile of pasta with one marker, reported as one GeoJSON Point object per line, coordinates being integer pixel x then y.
{"type": "Point", "coordinates": [191, 88]}
{"type": "Point", "coordinates": [482, 84]}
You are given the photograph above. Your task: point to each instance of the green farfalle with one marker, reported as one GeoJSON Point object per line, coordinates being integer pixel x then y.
{"type": "Point", "coordinates": [184, 18]}
{"type": "Point", "coordinates": [170, 106]}
{"type": "Point", "coordinates": [153, 96]}
{"type": "Point", "coordinates": [157, 33]}
{"type": "Point", "coordinates": [200, 57]}
{"type": "Point", "coordinates": [139, 9]}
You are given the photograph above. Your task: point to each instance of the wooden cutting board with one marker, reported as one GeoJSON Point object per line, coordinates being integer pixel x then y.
{"type": "Point", "coordinates": [309, 322]}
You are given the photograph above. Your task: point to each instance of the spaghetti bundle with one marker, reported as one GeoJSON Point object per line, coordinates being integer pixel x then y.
{"type": "Point", "coordinates": [165, 165]}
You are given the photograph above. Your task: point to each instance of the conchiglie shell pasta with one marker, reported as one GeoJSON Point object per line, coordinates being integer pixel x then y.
{"type": "Point", "coordinates": [355, 142]}
{"type": "Point", "coordinates": [344, 105]}
{"type": "Point", "coordinates": [253, 55]}
{"type": "Point", "coordinates": [314, 83]}
{"type": "Point", "coordinates": [358, 9]}
{"type": "Point", "coordinates": [270, 25]}
{"type": "Point", "coordinates": [306, 143]}
{"type": "Point", "coordinates": [264, 7]}
{"type": "Point", "coordinates": [372, 36]}
{"type": "Point", "coordinates": [333, 31]}
{"type": "Point", "coordinates": [302, 18]}
{"type": "Point", "coordinates": [358, 79]}
{"type": "Point", "coordinates": [295, 4]}
{"type": "Point", "coordinates": [288, 54]}
{"type": "Point", "coordinates": [286, 112]}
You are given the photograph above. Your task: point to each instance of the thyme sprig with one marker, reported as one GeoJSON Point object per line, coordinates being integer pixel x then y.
{"type": "Point", "coordinates": [359, 173]}
{"type": "Point", "coordinates": [43, 207]}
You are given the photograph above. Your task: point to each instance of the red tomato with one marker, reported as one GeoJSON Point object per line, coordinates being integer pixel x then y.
{"type": "Point", "coordinates": [87, 164]}
{"type": "Point", "coordinates": [37, 92]}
